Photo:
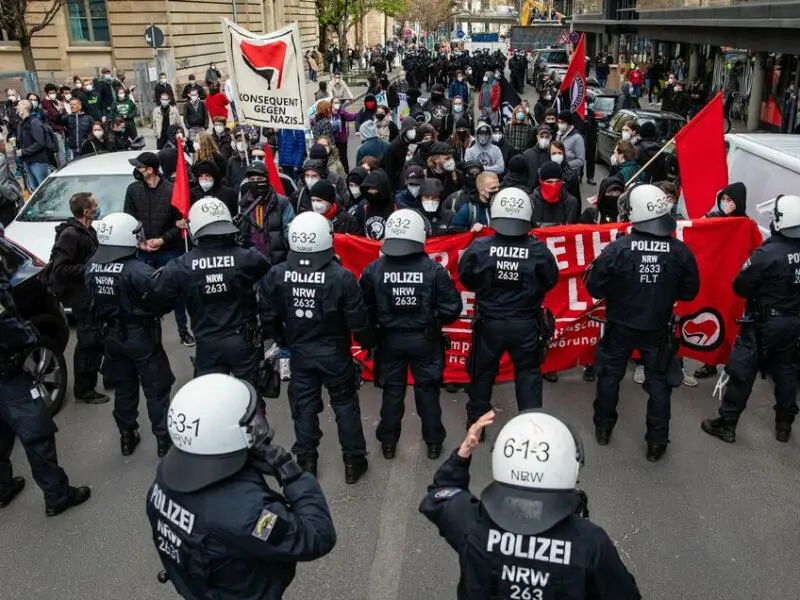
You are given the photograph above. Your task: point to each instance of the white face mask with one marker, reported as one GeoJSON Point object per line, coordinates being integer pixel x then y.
{"type": "Point", "coordinates": [457, 108]}
{"type": "Point", "coordinates": [486, 79]}
{"type": "Point", "coordinates": [121, 96]}
{"type": "Point", "coordinates": [411, 135]}
{"type": "Point", "coordinates": [450, 165]}
{"type": "Point", "coordinates": [206, 184]}
{"type": "Point", "coordinates": [219, 129]}
{"type": "Point", "coordinates": [496, 137]}
{"type": "Point", "coordinates": [562, 127]}
{"type": "Point", "coordinates": [67, 97]}
{"type": "Point", "coordinates": [413, 190]}
{"type": "Point", "coordinates": [162, 80]}
{"type": "Point", "coordinates": [355, 191]}
{"type": "Point", "coordinates": [88, 87]}
{"type": "Point", "coordinates": [336, 107]}
{"type": "Point", "coordinates": [310, 181]}
{"type": "Point", "coordinates": [165, 103]}
{"type": "Point", "coordinates": [430, 205]}
{"type": "Point", "coordinates": [98, 134]}
{"type": "Point", "coordinates": [626, 135]}
{"type": "Point", "coordinates": [320, 206]}
{"type": "Point", "coordinates": [241, 146]}
{"type": "Point", "coordinates": [557, 158]}
{"type": "Point", "coordinates": [52, 96]}
{"type": "Point", "coordinates": [544, 143]}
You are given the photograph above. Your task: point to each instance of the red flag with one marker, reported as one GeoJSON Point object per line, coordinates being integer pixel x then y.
{"type": "Point", "coordinates": [703, 167]}
{"type": "Point", "coordinates": [575, 80]}
{"type": "Point", "coordinates": [180, 189]}
{"type": "Point", "coordinates": [274, 177]}
{"type": "Point", "coordinates": [265, 59]}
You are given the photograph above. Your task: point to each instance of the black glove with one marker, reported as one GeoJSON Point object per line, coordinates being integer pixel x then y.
{"type": "Point", "coordinates": [275, 461]}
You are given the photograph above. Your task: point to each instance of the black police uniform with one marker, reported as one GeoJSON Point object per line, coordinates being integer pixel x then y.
{"type": "Point", "coordinates": [315, 311]}
{"type": "Point", "coordinates": [122, 298]}
{"type": "Point", "coordinates": [640, 276]}
{"type": "Point", "coordinates": [409, 298]}
{"type": "Point", "coordinates": [510, 276]}
{"type": "Point", "coordinates": [23, 412]}
{"type": "Point", "coordinates": [770, 280]}
{"type": "Point", "coordinates": [216, 280]}
{"type": "Point", "coordinates": [238, 538]}
{"type": "Point", "coordinates": [573, 560]}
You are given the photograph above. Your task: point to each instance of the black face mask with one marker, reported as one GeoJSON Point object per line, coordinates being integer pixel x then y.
{"type": "Point", "coordinates": [469, 180]}
{"type": "Point", "coordinates": [425, 146]}
{"type": "Point", "coordinates": [437, 96]}
{"type": "Point", "coordinates": [257, 188]}
{"type": "Point", "coordinates": [376, 201]}
{"type": "Point", "coordinates": [137, 175]}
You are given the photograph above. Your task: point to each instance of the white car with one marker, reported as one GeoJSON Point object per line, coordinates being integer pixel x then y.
{"type": "Point", "coordinates": [105, 176]}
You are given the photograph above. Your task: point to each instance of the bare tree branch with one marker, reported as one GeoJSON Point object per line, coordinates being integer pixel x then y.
{"type": "Point", "coordinates": [49, 14]}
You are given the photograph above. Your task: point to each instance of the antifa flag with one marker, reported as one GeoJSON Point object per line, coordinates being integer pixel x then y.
{"type": "Point", "coordinates": [509, 99]}
{"type": "Point", "coordinates": [574, 81]}
{"type": "Point", "coordinates": [266, 59]}
{"type": "Point", "coordinates": [180, 190]}
{"type": "Point", "coordinates": [707, 324]}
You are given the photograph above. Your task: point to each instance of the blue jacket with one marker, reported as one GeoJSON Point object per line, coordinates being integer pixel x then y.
{"type": "Point", "coordinates": [291, 148]}
{"type": "Point", "coordinates": [468, 215]}
{"type": "Point", "coordinates": [459, 88]}
{"type": "Point", "coordinates": [404, 199]}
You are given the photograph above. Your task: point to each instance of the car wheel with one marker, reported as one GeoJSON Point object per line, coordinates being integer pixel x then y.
{"type": "Point", "coordinates": [46, 364]}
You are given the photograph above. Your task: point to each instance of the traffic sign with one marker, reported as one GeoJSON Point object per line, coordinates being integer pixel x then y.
{"type": "Point", "coordinates": [154, 37]}
{"type": "Point", "coordinates": [563, 38]}
{"type": "Point", "coordinates": [459, 34]}
{"type": "Point", "coordinates": [574, 36]}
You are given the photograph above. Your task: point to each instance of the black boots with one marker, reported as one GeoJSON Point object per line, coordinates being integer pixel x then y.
{"type": "Point", "coordinates": [128, 440]}
{"type": "Point", "coordinates": [308, 462]}
{"type": "Point", "coordinates": [783, 431]}
{"type": "Point", "coordinates": [162, 446]}
{"type": "Point", "coordinates": [434, 451]}
{"type": "Point", "coordinates": [389, 451]}
{"type": "Point", "coordinates": [354, 468]}
{"type": "Point", "coordinates": [722, 428]}
{"type": "Point", "coordinates": [655, 451]}
{"type": "Point", "coordinates": [603, 436]}
{"type": "Point", "coordinates": [77, 495]}
{"type": "Point", "coordinates": [17, 485]}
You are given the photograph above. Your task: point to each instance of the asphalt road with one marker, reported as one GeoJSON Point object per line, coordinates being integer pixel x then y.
{"type": "Point", "coordinates": [711, 521]}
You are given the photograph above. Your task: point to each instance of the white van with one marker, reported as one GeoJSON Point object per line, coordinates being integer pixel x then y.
{"type": "Point", "coordinates": [769, 165]}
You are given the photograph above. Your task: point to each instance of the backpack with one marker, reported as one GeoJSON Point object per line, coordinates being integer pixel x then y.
{"type": "Point", "coordinates": [50, 138]}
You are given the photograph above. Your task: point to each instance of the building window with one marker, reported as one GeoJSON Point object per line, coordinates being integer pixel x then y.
{"type": "Point", "coordinates": [88, 21]}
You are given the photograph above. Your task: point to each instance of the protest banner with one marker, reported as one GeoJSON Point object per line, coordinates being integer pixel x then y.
{"type": "Point", "coordinates": [267, 76]}
{"type": "Point", "coordinates": [708, 323]}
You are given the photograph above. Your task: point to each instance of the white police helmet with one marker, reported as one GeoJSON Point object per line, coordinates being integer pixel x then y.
{"type": "Point", "coordinates": [210, 216]}
{"type": "Point", "coordinates": [310, 242]}
{"type": "Point", "coordinates": [405, 233]}
{"type": "Point", "coordinates": [651, 210]}
{"type": "Point", "coordinates": [511, 212]}
{"type": "Point", "coordinates": [535, 465]}
{"type": "Point", "coordinates": [212, 423]}
{"type": "Point", "coordinates": [786, 216]}
{"type": "Point", "coordinates": [119, 235]}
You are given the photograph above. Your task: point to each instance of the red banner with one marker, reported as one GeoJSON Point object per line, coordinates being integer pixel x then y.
{"type": "Point", "coordinates": [708, 325]}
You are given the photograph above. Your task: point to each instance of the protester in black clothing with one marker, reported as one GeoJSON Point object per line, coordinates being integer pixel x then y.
{"type": "Point", "coordinates": [118, 138]}
{"type": "Point", "coordinates": [395, 158]}
{"type": "Point", "coordinates": [539, 154]}
{"type": "Point", "coordinates": [433, 209]}
{"type": "Point", "coordinates": [105, 88]}
{"type": "Point", "coordinates": [605, 209]}
{"type": "Point", "coordinates": [354, 180]}
{"type": "Point", "coordinates": [195, 113]}
{"type": "Point", "coordinates": [324, 202]}
{"type": "Point", "coordinates": [590, 137]}
{"type": "Point", "coordinates": [237, 163]}
{"type": "Point", "coordinates": [646, 149]}
{"type": "Point", "coordinates": [222, 137]}
{"type": "Point", "coordinates": [518, 175]}
{"type": "Point", "coordinates": [76, 242]}
{"type": "Point", "coordinates": [163, 87]}
{"type": "Point", "coordinates": [193, 85]}
{"type": "Point", "coordinates": [97, 141]}
{"type": "Point", "coordinates": [209, 183]}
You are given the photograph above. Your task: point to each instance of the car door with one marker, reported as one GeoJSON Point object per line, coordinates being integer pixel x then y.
{"type": "Point", "coordinates": [607, 138]}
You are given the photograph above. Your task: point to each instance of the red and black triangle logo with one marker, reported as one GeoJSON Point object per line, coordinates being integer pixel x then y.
{"type": "Point", "coordinates": [266, 59]}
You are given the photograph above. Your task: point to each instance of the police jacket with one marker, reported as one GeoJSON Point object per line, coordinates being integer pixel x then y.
{"type": "Point", "coordinates": [314, 312]}
{"type": "Point", "coordinates": [216, 280]}
{"type": "Point", "coordinates": [16, 334]}
{"type": "Point", "coordinates": [74, 246]}
{"type": "Point", "coordinates": [771, 276]}
{"type": "Point", "coordinates": [411, 292]}
{"type": "Point", "coordinates": [153, 208]}
{"type": "Point", "coordinates": [641, 276]}
{"type": "Point", "coordinates": [509, 275]}
{"type": "Point", "coordinates": [122, 291]}
{"type": "Point", "coordinates": [238, 538]}
{"type": "Point", "coordinates": [574, 560]}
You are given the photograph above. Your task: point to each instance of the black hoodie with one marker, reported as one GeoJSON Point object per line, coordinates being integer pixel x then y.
{"type": "Point", "coordinates": [518, 175]}
{"type": "Point", "coordinates": [440, 219]}
{"type": "Point", "coordinates": [736, 192]}
{"type": "Point", "coordinates": [356, 175]}
{"type": "Point", "coordinates": [371, 213]}
{"type": "Point", "coordinates": [395, 158]}
{"type": "Point", "coordinates": [606, 210]}
{"type": "Point", "coordinates": [73, 247]}
{"type": "Point", "coordinates": [301, 199]}
{"type": "Point", "coordinates": [219, 191]}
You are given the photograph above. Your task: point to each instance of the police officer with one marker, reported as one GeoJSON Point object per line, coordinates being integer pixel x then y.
{"type": "Point", "coordinates": [770, 281]}
{"type": "Point", "coordinates": [121, 288]}
{"type": "Point", "coordinates": [525, 537]}
{"type": "Point", "coordinates": [510, 272]}
{"type": "Point", "coordinates": [210, 487]}
{"type": "Point", "coordinates": [216, 280]}
{"type": "Point", "coordinates": [23, 413]}
{"type": "Point", "coordinates": [641, 276]}
{"type": "Point", "coordinates": [409, 297]}
{"type": "Point", "coordinates": [313, 302]}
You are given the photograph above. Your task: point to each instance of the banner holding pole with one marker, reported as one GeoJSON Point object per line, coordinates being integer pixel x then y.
{"type": "Point", "coordinates": [267, 76]}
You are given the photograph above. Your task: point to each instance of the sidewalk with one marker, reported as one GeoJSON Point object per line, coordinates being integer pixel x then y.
{"type": "Point", "coordinates": [311, 86]}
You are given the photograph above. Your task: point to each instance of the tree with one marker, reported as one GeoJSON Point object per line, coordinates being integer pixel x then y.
{"type": "Point", "coordinates": [23, 19]}
{"type": "Point", "coordinates": [341, 15]}
{"type": "Point", "coordinates": [430, 14]}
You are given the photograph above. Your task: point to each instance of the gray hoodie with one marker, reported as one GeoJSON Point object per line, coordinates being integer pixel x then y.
{"type": "Point", "coordinates": [575, 148]}
{"type": "Point", "coordinates": [490, 156]}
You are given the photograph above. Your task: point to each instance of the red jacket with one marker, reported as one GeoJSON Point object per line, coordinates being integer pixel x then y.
{"type": "Point", "coordinates": [49, 109]}
{"type": "Point", "coordinates": [495, 96]}
{"type": "Point", "coordinates": [217, 105]}
{"type": "Point", "coordinates": [635, 77]}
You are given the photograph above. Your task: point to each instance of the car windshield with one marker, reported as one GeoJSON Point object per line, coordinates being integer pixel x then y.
{"type": "Point", "coordinates": [556, 57]}
{"type": "Point", "coordinates": [665, 128]}
{"type": "Point", "coordinates": [50, 202]}
{"type": "Point", "coordinates": [603, 104]}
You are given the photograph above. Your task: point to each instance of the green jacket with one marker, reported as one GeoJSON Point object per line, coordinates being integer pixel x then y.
{"type": "Point", "coordinates": [628, 169]}
{"type": "Point", "coordinates": [124, 108]}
